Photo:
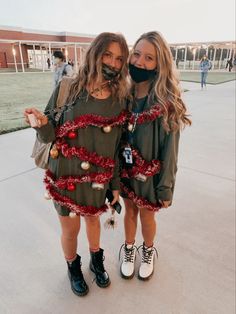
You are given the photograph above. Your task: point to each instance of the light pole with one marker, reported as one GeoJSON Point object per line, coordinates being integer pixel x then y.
{"type": "Point", "coordinates": [14, 56]}
{"type": "Point", "coordinates": [194, 55]}
{"type": "Point", "coordinates": [66, 54]}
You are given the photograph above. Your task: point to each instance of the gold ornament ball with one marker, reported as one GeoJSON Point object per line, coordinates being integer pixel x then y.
{"type": "Point", "coordinates": [54, 153]}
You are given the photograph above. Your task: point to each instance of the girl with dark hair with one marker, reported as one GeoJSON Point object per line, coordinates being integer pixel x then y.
{"type": "Point", "coordinates": [84, 157]}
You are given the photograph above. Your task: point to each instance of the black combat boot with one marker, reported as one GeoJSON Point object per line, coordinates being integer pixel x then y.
{"type": "Point", "coordinates": [78, 284]}
{"type": "Point", "coordinates": [96, 266]}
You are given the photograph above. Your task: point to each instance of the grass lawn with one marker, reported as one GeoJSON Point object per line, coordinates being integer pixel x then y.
{"type": "Point", "coordinates": [21, 90]}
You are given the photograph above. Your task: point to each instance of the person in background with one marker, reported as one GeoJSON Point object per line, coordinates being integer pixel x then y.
{"type": "Point", "coordinates": [229, 64]}
{"type": "Point", "coordinates": [205, 66]}
{"type": "Point", "coordinates": [150, 147]}
{"type": "Point", "coordinates": [49, 63]}
{"type": "Point", "coordinates": [177, 63]}
{"type": "Point", "coordinates": [61, 68]}
{"type": "Point", "coordinates": [234, 62]}
{"type": "Point", "coordinates": [84, 161]}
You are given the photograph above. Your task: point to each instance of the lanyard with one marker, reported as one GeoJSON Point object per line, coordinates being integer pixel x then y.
{"type": "Point", "coordinates": [131, 133]}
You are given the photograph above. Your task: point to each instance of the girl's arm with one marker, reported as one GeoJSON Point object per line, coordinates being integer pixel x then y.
{"type": "Point", "coordinates": [169, 143]}
{"type": "Point", "coordinates": [46, 133]}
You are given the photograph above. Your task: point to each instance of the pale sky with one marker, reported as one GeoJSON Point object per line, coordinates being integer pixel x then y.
{"type": "Point", "coordinates": [178, 20]}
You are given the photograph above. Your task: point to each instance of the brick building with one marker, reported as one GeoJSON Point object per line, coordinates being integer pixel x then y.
{"type": "Point", "coordinates": [23, 48]}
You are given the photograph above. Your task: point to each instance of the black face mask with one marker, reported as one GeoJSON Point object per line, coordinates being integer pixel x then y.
{"type": "Point", "coordinates": [109, 73]}
{"type": "Point", "coordinates": [139, 75]}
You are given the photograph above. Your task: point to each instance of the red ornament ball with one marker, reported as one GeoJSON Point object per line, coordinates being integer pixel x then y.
{"type": "Point", "coordinates": [70, 186]}
{"type": "Point", "coordinates": [72, 135]}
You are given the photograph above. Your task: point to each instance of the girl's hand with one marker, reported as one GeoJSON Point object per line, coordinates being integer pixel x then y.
{"type": "Point", "coordinates": [116, 195]}
{"type": "Point", "coordinates": [40, 117]}
{"type": "Point", "coordinates": [165, 204]}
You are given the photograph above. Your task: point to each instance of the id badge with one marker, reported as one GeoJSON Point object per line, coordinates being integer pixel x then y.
{"type": "Point", "coordinates": [128, 155]}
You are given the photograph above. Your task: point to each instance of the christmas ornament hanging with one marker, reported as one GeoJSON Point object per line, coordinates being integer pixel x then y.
{"type": "Point", "coordinates": [85, 165]}
{"type": "Point", "coordinates": [141, 177]}
{"type": "Point", "coordinates": [107, 129]}
{"type": "Point", "coordinates": [54, 152]}
{"type": "Point", "coordinates": [97, 186]}
{"type": "Point", "coordinates": [72, 135]}
{"type": "Point", "coordinates": [72, 215]}
{"type": "Point", "coordinates": [70, 187]}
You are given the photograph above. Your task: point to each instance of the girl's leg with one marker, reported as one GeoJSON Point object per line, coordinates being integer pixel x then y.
{"type": "Point", "coordinates": [70, 228]}
{"type": "Point", "coordinates": [129, 250]}
{"type": "Point", "coordinates": [148, 251]}
{"type": "Point", "coordinates": [148, 224]}
{"type": "Point", "coordinates": [93, 229]}
{"type": "Point", "coordinates": [130, 221]}
{"type": "Point", "coordinates": [202, 79]}
{"type": "Point", "coordinates": [205, 78]}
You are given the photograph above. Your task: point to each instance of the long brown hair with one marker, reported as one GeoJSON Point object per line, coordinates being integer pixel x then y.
{"type": "Point", "coordinates": [91, 69]}
{"type": "Point", "coordinates": [165, 88]}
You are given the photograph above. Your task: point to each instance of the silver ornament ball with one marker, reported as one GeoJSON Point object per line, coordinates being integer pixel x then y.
{"type": "Point", "coordinates": [85, 165]}
{"type": "Point", "coordinates": [130, 127]}
{"type": "Point", "coordinates": [107, 129]}
{"type": "Point", "coordinates": [72, 215]}
{"type": "Point", "coordinates": [47, 196]}
{"type": "Point", "coordinates": [97, 186]}
{"type": "Point", "coordinates": [141, 177]}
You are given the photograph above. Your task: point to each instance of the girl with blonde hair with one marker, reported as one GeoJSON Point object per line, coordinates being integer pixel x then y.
{"type": "Point", "coordinates": [150, 148]}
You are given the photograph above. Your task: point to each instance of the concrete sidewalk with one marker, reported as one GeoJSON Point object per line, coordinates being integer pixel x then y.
{"type": "Point", "coordinates": [195, 270]}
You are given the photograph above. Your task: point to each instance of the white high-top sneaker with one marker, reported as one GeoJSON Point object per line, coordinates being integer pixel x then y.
{"type": "Point", "coordinates": [127, 265]}
{"type": "Point", "coordinates": [147, 264]}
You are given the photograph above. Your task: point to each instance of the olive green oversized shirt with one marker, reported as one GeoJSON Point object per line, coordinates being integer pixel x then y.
{"type": "Point", "coordinates": [93, 139]}
{"type": "Point", "coordinates": [153, 142]}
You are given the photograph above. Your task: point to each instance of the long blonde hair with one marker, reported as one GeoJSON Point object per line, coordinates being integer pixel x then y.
{"type": "Point", "coordinates": [165, 88]}
{"type": "Point", "coordinates": [91, 69]}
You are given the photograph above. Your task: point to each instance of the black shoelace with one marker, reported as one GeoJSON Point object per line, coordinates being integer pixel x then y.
{"type": "Point", "coordinates": [147, 254]}
{"type": "Point", "coordinates": [99, 267]}
{"type": "Point", "coordinates": [129, 253]}
{"type": "Point", "coordinates": [76, 271]}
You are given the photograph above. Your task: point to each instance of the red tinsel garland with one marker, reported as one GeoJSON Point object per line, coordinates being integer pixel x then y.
{"type": "Point", "coordinates": [63, 181]}
{"type": "Point", "coordinates": [142, 166]}
{"type": "Point", "coordinates": [91, 120]}
{"type": "Point", "coordinates": [140, 201]}
{"type": "Point", "coordinates": [147, 116]}
{"type": "Point", "coordinates": [70, 204]}
{"type": "Point", "coordinates": [83, 154]}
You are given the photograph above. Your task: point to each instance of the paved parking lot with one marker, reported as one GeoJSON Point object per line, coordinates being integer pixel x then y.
{"type": "Point", "coordinates": [195, 272]}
